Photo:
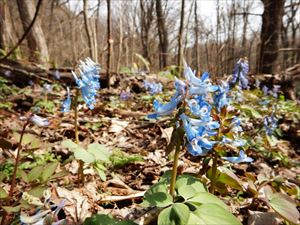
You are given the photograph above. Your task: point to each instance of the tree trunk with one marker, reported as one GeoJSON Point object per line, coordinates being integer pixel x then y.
{"type": "Point", "coordinates": [163, 35]}
{"type": "Point", "coordinates": [38, 50]}
{"type": "Point", "coordinates": [179, 58]}
{"type": "Point", "coordinates": [196, 30]}
{"type": "Point", "coordinates": [146, 21]}
{"type": "Point", "coordinates": [6, 31]}
{"type": "Point", "coordinates": [109, 43]}
{"type": "Point", "coordinates": [245, 21]}
{"type": "Point", "coordinates": [120, 41]}
{"type": "Point", "coordinates": [233, 34]}
{"type": "Point", "coordinates": [87, 29]}
{"type": "Point", "coordinates": [271, 25]}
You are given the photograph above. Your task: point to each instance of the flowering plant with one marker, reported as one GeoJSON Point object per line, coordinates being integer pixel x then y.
{"type": "Point", "coordinates": [206, 125]}
{"type": "Point", "coordinates": [88, 84]}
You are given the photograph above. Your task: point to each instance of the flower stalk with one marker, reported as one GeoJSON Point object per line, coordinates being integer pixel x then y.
{"type": "Point", "coordinates": [213, 174]}
{"type": "Point", "coordinates": [174, 170]}
{"type": "Point", "coordinates": [4, 220]}
{"type": "Point", "coordinates": [80, 169]}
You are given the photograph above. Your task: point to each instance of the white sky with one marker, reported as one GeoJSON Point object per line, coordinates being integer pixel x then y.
{"type": "Point", "coordinates": [207, 10]}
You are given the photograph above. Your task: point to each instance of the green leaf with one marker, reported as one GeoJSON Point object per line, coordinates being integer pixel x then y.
{"type": "Point", "coordinates": [160, 199]}
{"type": "Point", "coordinates": [3, 193]}
{"type": "Point", "coordinates": [23, 175]}
{"type": "Point", "coordinates": [177, 214]}
{"type": "Point", "coordinates": [101, 219]}
{"type": "Point", "coordinates": [158, 187]}
{"type": "Point", "coordinates": [99, 151]}
{"type": "Point", "coordinates": [229, 178]}
{"type": "Point", "coordinates": [35, 173]}
{"type": "Point", "coordinates": [37, 191]}
{"type": "Point", "coordinates": [272, 140]}
{"type": "Point", "coordinates": [69, 144]}
{"type": "Point", "coordinates": [158, 195]}
{"type": "Point", "coordinates": [101, 173]}
{"type": "Point", "coordinates": [285, 207]}
{"type": "Point", "coordinates": [205, 197]}
{"type": "Point", "coordinates": [187, 186]}
{"type": "Point", "coordinates": [252, 111]}
{"type": "Point", "coordinates": [28, 139]}
{"type": "Point", "coordinates": [83, 155]}
{"type": "Point", "coordinates": [49, 170]}
{"type": "Point", "coordinates": [2, 176]}
{"type": "Point", "coordinates": [11, 209]}
{"type": "Point", "coordinates": [60, 174]}
{"type": "Point", "coordinates": [208, 214]}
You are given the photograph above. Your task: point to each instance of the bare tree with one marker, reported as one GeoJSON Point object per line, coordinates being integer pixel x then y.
{"type": "Point", "coordinates": [147, 8]}
{"type": "Point", "coordinates": [109, 42]}
{"type": "Point", "coordinates": [163, 35]}
{"type": "Point", "coordinates": [7, 37]}
{"type": "Point", "coordinates": [271, 25]}
{"type": "Point", "coordinates": [36, 40]}
{"type": "Point", "coordinates": [87, 29]}
{"type": "Point", "coordinates": [179, 57]}
{"type": "Point", "coordinates": [196, 30]}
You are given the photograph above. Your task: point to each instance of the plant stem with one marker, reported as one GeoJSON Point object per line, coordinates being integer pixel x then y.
{"type": "Point", "coordinates": [80, 169]}
{"type": "Point", "coordinates": [76, 116]}
{"type": "Point", "coordinates": [213, 175]}
{"type": "Point", "coordinates": [13, 181]}
{"type": "Point", "coordinates": [174, 170]}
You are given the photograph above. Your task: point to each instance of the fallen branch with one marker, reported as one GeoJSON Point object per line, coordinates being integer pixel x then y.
{"type": "Point", "coordinates": [121, 198]}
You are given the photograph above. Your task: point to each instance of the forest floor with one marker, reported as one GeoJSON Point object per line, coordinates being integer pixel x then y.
{"type": "Point", "coordinates": [137, 161]}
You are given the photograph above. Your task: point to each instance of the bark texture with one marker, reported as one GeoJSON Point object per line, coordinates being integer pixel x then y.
{"type": "Point", "coordinates": [271, 27]}
{"type": "Point", "coordinates": [163, 35]}
{"type": "Point", "coordinates": [38, 50]}
{"type": "Point", "coordinates": [7, 37]}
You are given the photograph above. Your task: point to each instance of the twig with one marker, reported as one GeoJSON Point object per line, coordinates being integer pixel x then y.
{"type": "Point", "coordinates": [121, 198]}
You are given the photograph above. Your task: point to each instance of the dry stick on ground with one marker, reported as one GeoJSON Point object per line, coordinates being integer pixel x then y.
{"type": "Point", "coordinates": [25, 33]}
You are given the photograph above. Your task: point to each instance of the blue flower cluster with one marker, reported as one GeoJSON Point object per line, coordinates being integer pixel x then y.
{"type": "Point", "coordinates": [152, 87]}
{"type": "Point", "coordinates": [87, 82]}
{"type": "Point", "coordinates": [67, 103]}
{"type": "Point", "coordinates": [239, 75]}
{"type": "Point", "coordinates": [270, 124]}
{"type": "Point", "coordinates": [125, 95]}
{"type": "Point", "coordinates": [201, 129]}
{"type": "Point", "coordinates": [274, 92]}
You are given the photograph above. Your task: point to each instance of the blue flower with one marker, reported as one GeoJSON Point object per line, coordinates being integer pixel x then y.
{"type": "Point", "coordinates": [236, 125]}
{"type": "Point", "coordinates": [270, 124]}
{"type": "Point", "coordinates": [235, 143]}
{"type": "Point", "coordinates": [39, 121]}
{"type": "Point", "coordinates": [199, 108]}
{"type": "Point", "coordinates": [40, 217]}
{"type": "Point", "coordinates": [164, 109]}
{"type": "Point", "coordinates": [276, 89]}
{"type": "Point", "coordinates": [239, 159]}
{"type": "Point", "coordinates": [239, 75]}
{"type": "Point", "coordinates": [199, 144]}
{"type": "Point", "coordinates": [220, 96]}
{"type": "Point", "coordinates": [198, 86]}
{"type": "Point", "coordinates": [125, 95]}
{"type": "Point", "coordinates": [88, 81]}
{"type": "Point", "coordinates": [265, 90]}
{"type": "Point", "coordinates": [47, 88]}
{"type": "Point", "coordinates": [56, 74]}
{"type": "Point", "coordinates": [67, 103]}
{"type": "Point", "coordinates": [180, 87]}
{"type": "Point", "coordinates": [152, 87]}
